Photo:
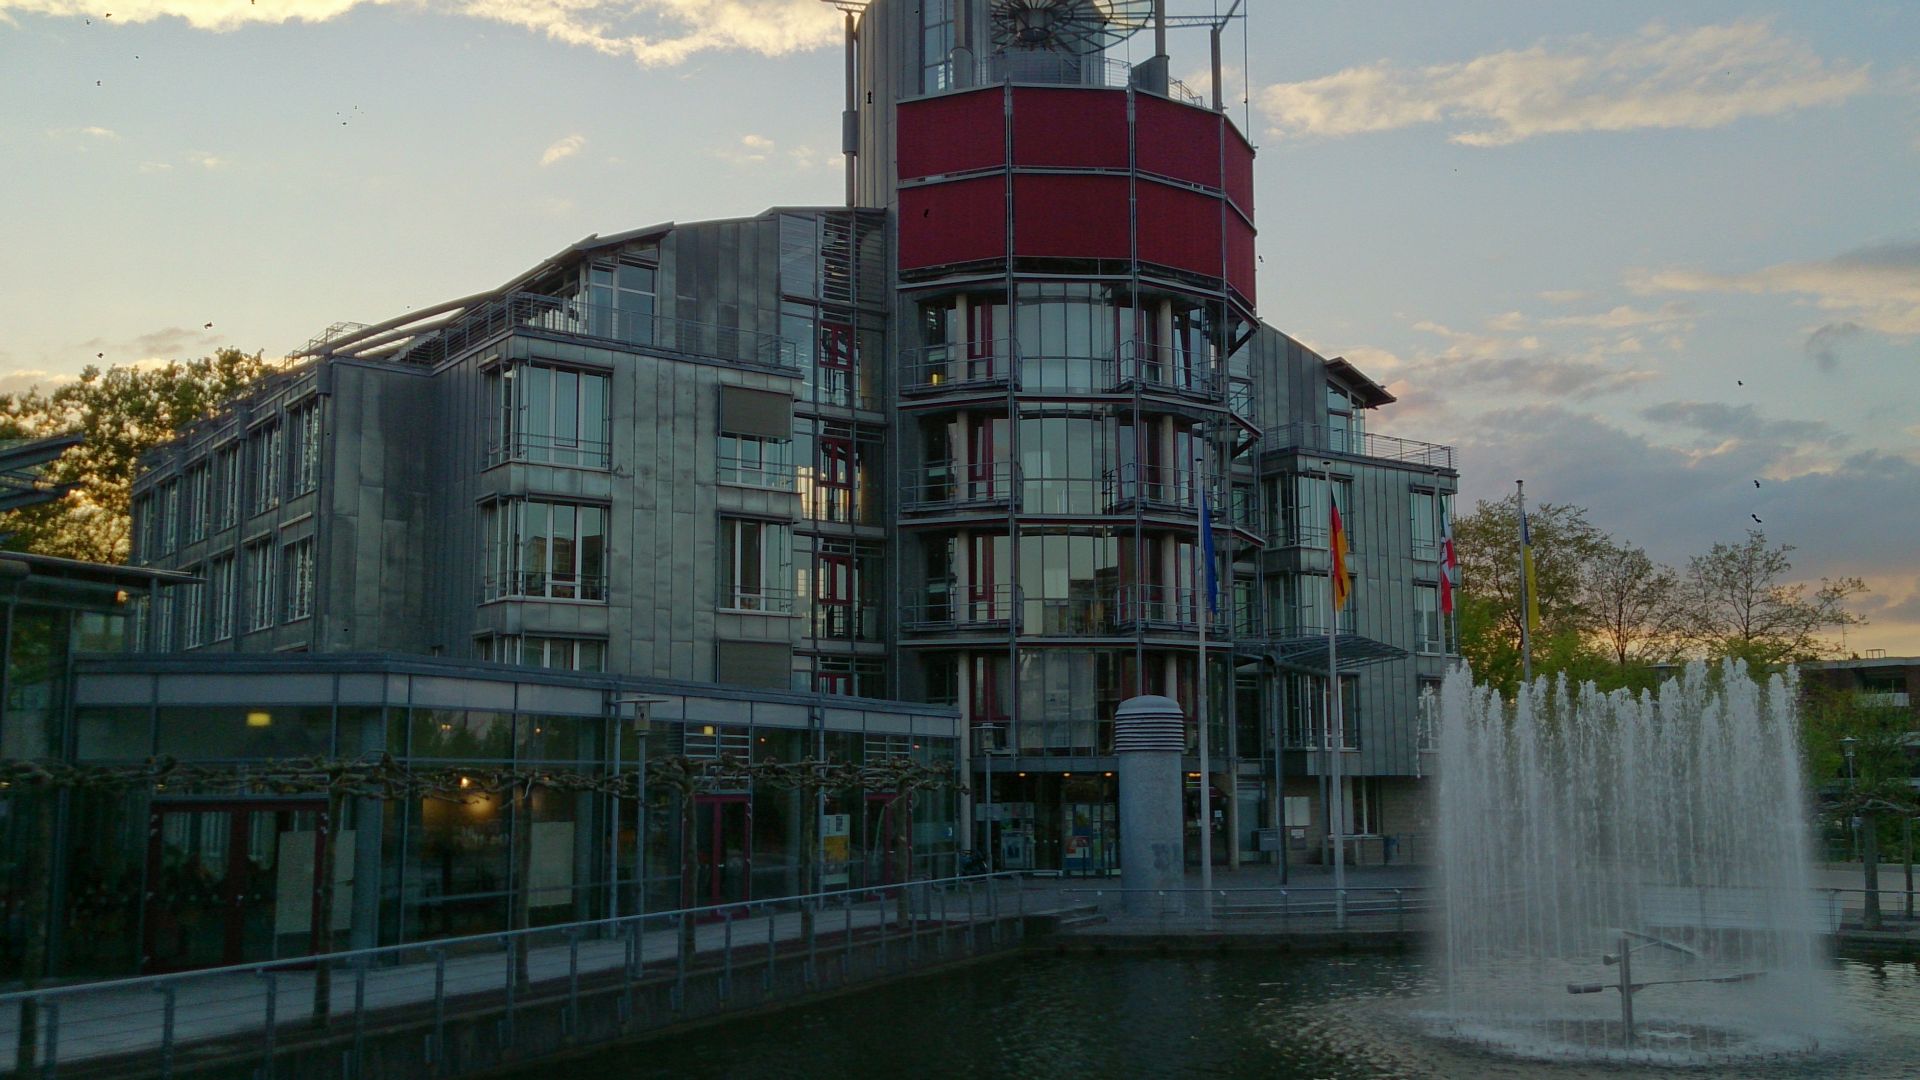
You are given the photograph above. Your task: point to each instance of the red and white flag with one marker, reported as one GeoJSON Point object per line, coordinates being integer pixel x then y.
{"type": "Point", "coordinates": [1449, 564]}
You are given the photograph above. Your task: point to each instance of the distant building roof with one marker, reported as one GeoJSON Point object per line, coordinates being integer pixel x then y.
{"type": "Point", "coordinates": [23, 464]}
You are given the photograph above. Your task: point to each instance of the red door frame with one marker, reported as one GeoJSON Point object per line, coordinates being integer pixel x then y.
{"type": "Point", "coordinates": [834, 575]}
{"type": "Point", "coordinates": [712, 856]}
{"type": "Point", "coordinates": [233, 886]}
{"type": "Point", "coordinates": [884, 833]}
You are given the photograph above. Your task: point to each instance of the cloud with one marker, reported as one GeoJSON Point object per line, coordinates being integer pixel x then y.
{"type": "Point", "coordinates": [1543, 375]}
{"type": "Point", "coordinates": [1876, 287]}
{"type": "Point", "coordinates": [562, 149]}
{"type": "Point", "coordinates": [21, 380]}
{"type": "Point", "coordinates": [1823, 345]}
{"type": "Point", "coordinates": [1677, 502]}
{"type": "Point", "coordinates": [1719, 423]}
{"type": "Point", "coordinates": [1564, 296]}
{"type": "Point", "coordinates": [88, 132]}
{"type": "Point", "coordinates": [207, 161]}
{"type": "Point", "coordinates": [651, 32]}
{"type": "Point", "coordinates": [755, 150]}
{"type": "Point", "coordinates": [1697, 78]}
{"type": "Point", "coordinates": [155, 167]}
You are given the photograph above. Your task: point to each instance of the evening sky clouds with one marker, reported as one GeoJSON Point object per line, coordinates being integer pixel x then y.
{"type": "Point", "coordinates": [1640, 255]}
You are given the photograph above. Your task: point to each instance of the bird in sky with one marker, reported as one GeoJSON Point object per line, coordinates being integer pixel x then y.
{"type": "Point", "coordinates": [1756, 519]}
{"type": "Point", "coordinates": [1756, 483]}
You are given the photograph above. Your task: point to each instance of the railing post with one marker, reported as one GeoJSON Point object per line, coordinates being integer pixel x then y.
{"type": "Point", "coordinates": [943, 919]}
{"type": "Point", "coordinates": [50, 1055]}
{"type": "Point", "coordinates": [726, 954]}
{"type": "Point", "coordinates": [439, 1010]}
{"type": "Point", "coordinates": [572, 1025]}
{"type": "Point", "coordinates": [973, 937]}
{"type": "Point", "coordinates": [883, 930]}
{"type": "Point", "coordinates": [811, 974]}
{"type": "Point", "coordinates": [359, 1016]}
{"type": "Point", "coordinates": [1340, 909]}
{"type": "Point", "coordinates": [681, 959]}
{"type": "Point", "coordinates": [507, 1033]}
{"type": "Point", "coordinates": [1400, 910]}
{"type": "Point", "coordinates": [766, 973]}
{"type": "Point", "coordinates": [993, 912]}
{"type": "Point", "coordinates": [272, 1018]}
{"type": "Point", "coordinates": [169, 992]}
{"type": "Point", "coordinates": [846, 951]}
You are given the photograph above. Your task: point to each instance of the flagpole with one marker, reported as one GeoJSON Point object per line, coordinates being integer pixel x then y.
{"type": "Point", "coordinates": [1201, 597]}
{"type": "Point", "coordinates": [1336, 721]}
{"type": "Point", "coordinates": [1526, 601]}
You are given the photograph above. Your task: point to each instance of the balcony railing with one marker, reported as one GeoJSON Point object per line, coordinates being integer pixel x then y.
{"type": "Point", "coordinates": [1886, 699]}
{"type": "Point", "coordinates": [976, 365]}
{"type": "Point", "coordinates": [544, 586]}
{"type": "Point", "coordinates": [1050, 68]}
{"type": "Point", "coordinates": [753, 472]}
{"type": "Point", "coordinates": [759, 599]}
{"type": "Point", "coordinates": [576, 317]}
{"type": "Point", "coordinates": [988, 365]}
{"type": "Point", "coordinates": [846, 622]}
{"type": "Point", "coordinates": [1362, 444]}
{"type": "Point", "coordinates": [1166, 607]}
{"type": "Point", "coordinates": [550, 450]}
{"type": "Point", "coordinates": [994, 606]}
{"type": "Point", "coordinates": [1151, 487]}
{"type": "Point", "coordinates": [946, 486]}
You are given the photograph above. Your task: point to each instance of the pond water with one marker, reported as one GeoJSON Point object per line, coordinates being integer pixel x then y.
{"type": "Point", "coordinates": [1250, 1015]}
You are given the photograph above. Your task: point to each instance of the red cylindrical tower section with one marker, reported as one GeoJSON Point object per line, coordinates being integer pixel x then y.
{"type": "Point", "coordinates": [1081, 173]}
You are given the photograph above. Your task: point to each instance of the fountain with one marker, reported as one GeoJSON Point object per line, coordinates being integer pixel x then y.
{"type": "Point", "coordinates": [1627, 877]}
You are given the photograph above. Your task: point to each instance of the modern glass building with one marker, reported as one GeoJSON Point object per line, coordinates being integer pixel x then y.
{"type": "Point", "coordinates": [950, 444]}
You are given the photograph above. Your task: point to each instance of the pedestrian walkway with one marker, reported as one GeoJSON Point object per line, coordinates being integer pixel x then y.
{"type": "Point", "coordinates": [170, 1013]}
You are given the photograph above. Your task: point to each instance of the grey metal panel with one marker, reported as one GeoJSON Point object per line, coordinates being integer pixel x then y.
{"type": "Point", "coordinates": [567, 700]}
{"type": "Point", "coordinates": [447, 693]}
{"type": "Point", "coordinates": [363, 690]}
{"type": "Point", "coordinates": [887, 723]}
{"type": "Point", "coordinates": [844, 719]}
{"type": "Point", "coordinates": [779, 714]}
{"type": "Point", "coordinates": [192, 689]}
{"type": "Point", "coordinates": [704, 710]}
{"type": "Point", "coordinates": [99, 689]}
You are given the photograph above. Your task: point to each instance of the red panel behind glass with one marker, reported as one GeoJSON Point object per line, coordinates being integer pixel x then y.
{"type": "Point", "coordinates": [1240, 273]}
{"type": "Point", "coordinates": [1179, 228]}
{"type": "Point", "coordinates": [1239, 172]}
{"type": "Point", "coordinates": [1177, 140]}
{"type": "Point", "coordinates": [951, 133]}
{"type": "Point", "coordinates": [953, 222]}
{"type": "Point", "coordinates": [1078, 217]}
{"type": "Point", "coordinates": [1084, 128]}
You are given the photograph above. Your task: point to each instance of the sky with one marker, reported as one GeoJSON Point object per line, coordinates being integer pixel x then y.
{"type": "Point", "coordinates": [1640, 255]}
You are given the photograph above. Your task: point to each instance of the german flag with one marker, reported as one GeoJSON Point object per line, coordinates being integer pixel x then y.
{"type": "Point", "coordinates": [1342, 568]}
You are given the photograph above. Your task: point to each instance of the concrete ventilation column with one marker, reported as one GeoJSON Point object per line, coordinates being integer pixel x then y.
{"type": "Point", "coordinates": [1149, 733]}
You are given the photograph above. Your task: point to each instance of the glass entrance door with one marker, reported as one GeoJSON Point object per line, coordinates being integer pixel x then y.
{"type": "Point", "coordinates": [723, 849]}
{"type": "Point", "coordinates": [889, 841]}
{"type": "Point", "coordinates": [214, 882]}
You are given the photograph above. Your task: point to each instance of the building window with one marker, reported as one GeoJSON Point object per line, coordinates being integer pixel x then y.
{"type": "Point", "coordinates": [303, 421]}
{"type": "Point", "coordinates": [193, 612]}
{"type": "Point", "coordinates": [1426, 537]}
{"type": "Point", "coordinates": [220, 596]}
{"type": "Point", "coordinates": [199, 508]}
{"type": "Point", "coordinates": [1304, 712]}
{"type": "Point", "coordinates": [1363, 818]}
{"type": "Point", "coordinates": [756, 438]}
{"type": "Point", "coordinates": [549, 415]}
{"type": "Point", "coordinates": [556, 653]}
{"type": "Point", "coordinates": [839, 471]}
{"type": "Point", "coordinates": [163, 620]}
{"type": "Point", "coordinates": [260, 580]}
{"type": "Point", "coordinates": [1304, 518]}
{"type": "Point", "coordinates": [226, 485]}
{"type": "Point", "coordinates": [265, 449]}
{"type": "Point", "coordinates": [299, 570]}
{"type": "Point", "coordinates": [1304, 605]}
{"type": "Point", "coordinates": [849, 677]}
{"type": "Point", "coordinates": [545, 551]}
{"type": "Point", "coordinates": [1428, 631]}
{"type": "Point", "coordinates": [756, 566]}
{"type": "Point", "coordinates": [1428, 715]}
{"type": "Point", "coordinates": [936, 45]}
{"type": "Point", "coordinates": [169, 514]}
{"type": "Point", "coordinates": [620, 300]}
{"type": "Point", "coordinates": [1346, 421]}
{"type": "Point", "coordinates": [844, 601]}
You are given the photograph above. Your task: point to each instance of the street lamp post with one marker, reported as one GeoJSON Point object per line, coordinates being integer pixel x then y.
{"type": "Point", "coordinates": [1847, 745]}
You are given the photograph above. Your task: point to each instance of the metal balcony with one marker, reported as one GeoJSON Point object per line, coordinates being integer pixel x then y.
{"type": "Point", "coordinates": [946, 487]}
{"type": "Point", "coordinates": [1319, 439]}
{"type": "Point", "coordinates": [993, 607]}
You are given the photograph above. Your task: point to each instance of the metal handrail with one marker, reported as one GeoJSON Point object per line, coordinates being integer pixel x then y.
{"type": "Point", "coordinates": [964, 365]}
{"type": "Point", "coordinates": [755, 472]}
{"type": "Point", "coordinates": [455, 944]}
{"type": "Point", "coordinates": [997, 605]}
{"type": "Point", "coordinates": [1318, 437]}
{"type": "Point", "coordinates": [948, 485]}
{"type": "Point", "coordinates": [575, 317]}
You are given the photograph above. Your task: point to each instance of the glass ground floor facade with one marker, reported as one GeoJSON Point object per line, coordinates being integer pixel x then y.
{"type": "Point", "coordinates": [168, 878]}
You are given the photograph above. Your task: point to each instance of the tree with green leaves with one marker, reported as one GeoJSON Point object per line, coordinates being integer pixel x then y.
{"type": "Point", "coordinates": [1738, 603]}
{"type": "Point", "coordinates": [1487, 542]}
{"type": "Point", "coordinates": [1858, 753]}
{"type": "Point", "coordinates": [1634, 605]}
{"type": "Point", "coordinates": [124, 411]}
